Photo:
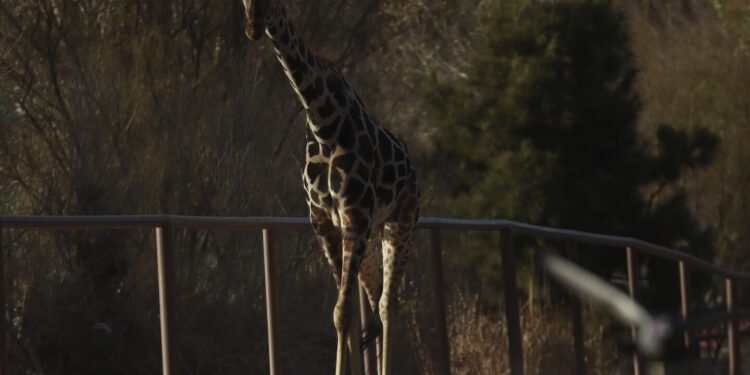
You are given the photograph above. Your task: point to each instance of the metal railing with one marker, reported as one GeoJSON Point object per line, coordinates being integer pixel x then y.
{"type": "Point", "coordinates": [164, 225]}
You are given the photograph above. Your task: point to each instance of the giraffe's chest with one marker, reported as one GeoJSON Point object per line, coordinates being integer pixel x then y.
{"type": "Point", "coordinates": [335, 205]}
{"type": "Point", "coordinates": [316, 176]}
{"type": "Point", "coordinates": [339, 180]}
{"type": "Point", "coordinates": [360, 167]}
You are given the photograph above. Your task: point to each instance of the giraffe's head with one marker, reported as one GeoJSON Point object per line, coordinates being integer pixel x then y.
{"type": "Point", "coordinates": [258, 13]}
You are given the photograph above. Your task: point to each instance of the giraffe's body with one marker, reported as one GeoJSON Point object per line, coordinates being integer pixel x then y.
{"type": "Point", "coordinates": [358, 178]}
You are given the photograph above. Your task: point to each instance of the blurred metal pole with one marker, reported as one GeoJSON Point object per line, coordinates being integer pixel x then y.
{"type": "Point", "coordinates": [633, 282]}
{"type": "Point", "coordinates": [510, 290]}
{"type": "Point", "coordinates": [733, 338]}
{"type": "Point", "coordinates": [684, 298]}
{"type": "Point", "coordinates": [272, 304]}
{"type": "Point", "coordinates": [165, 269]}
{"type": "Point", "coordinates": [438, 307]}
{"type": "Point", "coordinates": [576, 316]}
{"type": "Point", "coordinates": [3, 333]}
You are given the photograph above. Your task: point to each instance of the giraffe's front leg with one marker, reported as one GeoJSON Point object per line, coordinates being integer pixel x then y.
{"type": "Point", "coordinates": [371, 280]}
{"type": "Point", "coordinates": [329, 238]}
{"type": "Point", "coordinates": [398, 248]}
{"type": "Point", "coordinates": [398, 244]}
{"type": "Point", "coordinates": [355, 231]}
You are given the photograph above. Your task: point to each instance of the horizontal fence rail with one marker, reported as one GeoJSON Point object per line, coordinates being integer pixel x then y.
{"type": "Point", "coordinates": [163, 225]}
{"type": "Point", "coordinates": [238, 223]}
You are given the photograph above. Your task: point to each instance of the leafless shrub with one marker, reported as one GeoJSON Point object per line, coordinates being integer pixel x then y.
{"type": "Point", "coordinates": [480, 346]}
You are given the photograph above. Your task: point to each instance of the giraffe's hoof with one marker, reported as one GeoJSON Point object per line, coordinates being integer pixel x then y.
{"type": "Point", "coordinates": [370, 333]}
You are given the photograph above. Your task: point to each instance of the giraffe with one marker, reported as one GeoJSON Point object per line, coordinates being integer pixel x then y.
{"type": "Point", "coordinates": [358, 178]}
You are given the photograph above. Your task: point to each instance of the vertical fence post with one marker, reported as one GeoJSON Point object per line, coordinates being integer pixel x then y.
{"type": "Point", "coordinates": [634, 273]}
{"type": "Point", "coordinates": [438, 288]}
{"type": "Point", "coordinates": [366, 317]}
{"type": "Point", "coordinates": [733, 338]}
{"type": "Point", "coordinates": [272, 303]}
{"type": "Point", "coordinates": [575, 316]}
{"type": "Point", "coordinates": [510, 291]}
{"type": "Point", "coordinates": [165, 269]}
{"type": "Point", "coordinates": [684, 298]}
{"type": "Point", "coordinates": [3, 334]}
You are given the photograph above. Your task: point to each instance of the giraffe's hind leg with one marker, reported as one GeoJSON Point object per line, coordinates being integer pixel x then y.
{"type": "Point", "coordinates": [398, 245]}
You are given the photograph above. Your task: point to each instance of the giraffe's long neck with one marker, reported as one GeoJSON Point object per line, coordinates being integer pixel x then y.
{"type": "Point", "coordinates": [324, 93]}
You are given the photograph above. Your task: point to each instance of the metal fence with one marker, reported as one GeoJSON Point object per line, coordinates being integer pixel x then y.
{"type": "Point", "coordinates": [164, 225]}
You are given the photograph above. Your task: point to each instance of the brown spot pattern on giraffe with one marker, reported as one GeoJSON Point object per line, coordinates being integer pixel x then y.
{"type": "Point", "coordinates": [357, 176]}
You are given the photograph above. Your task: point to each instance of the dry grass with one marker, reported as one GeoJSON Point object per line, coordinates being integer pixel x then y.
{"type": "Point", "coordinates": [479, 342]}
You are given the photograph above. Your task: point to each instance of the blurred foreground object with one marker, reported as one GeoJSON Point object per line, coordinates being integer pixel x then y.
{"type": "Point", "coordinates": [652, 332]}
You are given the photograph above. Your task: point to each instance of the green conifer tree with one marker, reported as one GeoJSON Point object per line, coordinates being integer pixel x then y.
{"type": "Point", "coordinates": [544, 131]}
